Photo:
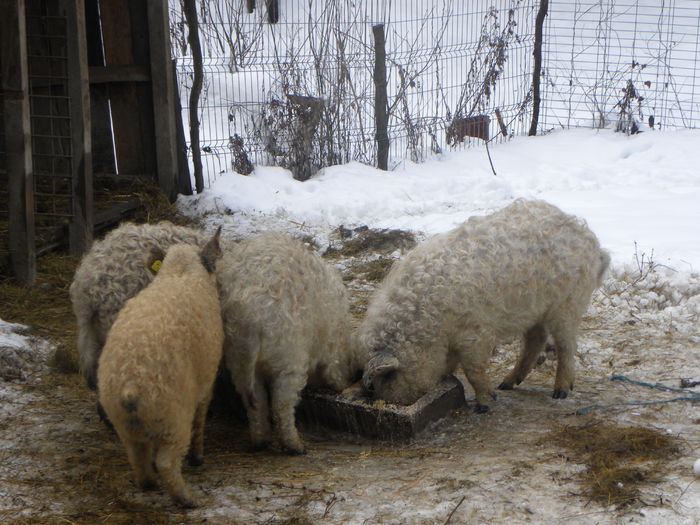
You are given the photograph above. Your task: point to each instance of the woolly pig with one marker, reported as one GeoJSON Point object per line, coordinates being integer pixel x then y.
{"type": "Point", "coordinates": [287, 324]}
{"type": "Point", "coordinates": [112, 272]}
{"type": "Point", "coordinates": [158, 365]}
{"type": "Point", "coordinates": [528, 269]}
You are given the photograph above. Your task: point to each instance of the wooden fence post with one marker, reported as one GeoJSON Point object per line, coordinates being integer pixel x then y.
{"type": "Point", "coordinates": [537, 68]}
{"type": "Point", "coordinates": [18, 150]}
{"type": "Point", "coordinates": [381, 116]}
{"type": "Point", "coordinates": [163, 89]}
{"type": "Point", "coordinates": [184, 182]}
{"type": "Point", "coordinates": [81, 225]}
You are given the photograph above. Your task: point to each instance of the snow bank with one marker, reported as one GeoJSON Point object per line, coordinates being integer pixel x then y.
{"type": "Point", "coordinates": [638, 193]}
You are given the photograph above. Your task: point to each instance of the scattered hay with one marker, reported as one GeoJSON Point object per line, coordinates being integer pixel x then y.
{"type": "Point", "coordinates": [358, 304]}
{"type": "Point", "coordinates": [373, 270]}
{"type": "Point", "coordinates": [619, 459]}
{"type": "Point", "coordinates": [154, 205]}
{"type": "Point", "coordinates": [363, 239]}
{"type": "Point", "coordinates": [46, 307]}
{"type": "Point", "coordinates": [115, 517]}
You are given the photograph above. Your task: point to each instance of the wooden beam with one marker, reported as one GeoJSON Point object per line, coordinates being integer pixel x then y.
{"type": "Point", "coordinates": [81, 225]}
{"type": "Point", "coordinates": [163, 90]}
{"type": "Point", "coordinates": [114, 74]}
{"type": "Point", "coordinates": [18, 150]}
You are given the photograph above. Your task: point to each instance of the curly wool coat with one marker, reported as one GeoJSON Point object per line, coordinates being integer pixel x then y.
{"type": "Point", "coordinates": [287, 323]}
{"type": "Point", "coordinates": [112, 272]}
{"type": "Point", "coordinates": [528, 269]}
{"type": "Point", "coordinates": [158, 366]}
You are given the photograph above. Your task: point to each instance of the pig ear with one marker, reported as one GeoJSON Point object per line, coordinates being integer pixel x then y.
{"type": "Point", "coordinates": [378, 367]}
{"type": "Point", "coordinates": [211, 252]}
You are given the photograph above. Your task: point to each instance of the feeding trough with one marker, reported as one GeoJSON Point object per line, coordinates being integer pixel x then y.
{"type": "Point", "coordinates": [355, 413]}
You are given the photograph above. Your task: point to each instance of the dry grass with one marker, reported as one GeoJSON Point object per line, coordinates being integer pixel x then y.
{"type": "Point", "coordinates": [620, 460]}
{"type": "Point", "coordinates": [154, 205]}
{"type": "Point", "coordinates": [365, 240]}
{"type": "Point", "coordinates": [45, 307]}
{"type": "Point", "coordinates": [373, 270]}
{"type": "Point", "coordinates": [135, 515]}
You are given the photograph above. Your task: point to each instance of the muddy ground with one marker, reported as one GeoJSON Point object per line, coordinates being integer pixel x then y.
{"type": "Point", "coordinates": [60, 464]}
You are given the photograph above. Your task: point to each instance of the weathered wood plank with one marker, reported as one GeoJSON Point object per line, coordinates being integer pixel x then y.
{"type": "Point", "coordinates": [101, 121]}
{"type": "Point", "coordinates": [113, 74]}
{"type": "Point", "coordinates": [18, 152]}
{"type": "Point", "coordinates": [125, 39]}
{"type": "Point", "coordinates": [163, 92]}
{"type": "Point", "coordinates": [184, 181]}
{"type": "Point", "coordinates": [81, 225]}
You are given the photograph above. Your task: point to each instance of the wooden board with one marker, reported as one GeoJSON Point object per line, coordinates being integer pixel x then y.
{"type": "Point", "coordinates": [81, 224]}
{"type": "Point", "coordinates": [18, 151]}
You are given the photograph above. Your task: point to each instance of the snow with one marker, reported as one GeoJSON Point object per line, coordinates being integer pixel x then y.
{"type": "Point", "coordinates": [639, 193]}
{"type": "Point", "coordinates": [19, 352]}
{"type": "Point", "coordinates": [9, 336]}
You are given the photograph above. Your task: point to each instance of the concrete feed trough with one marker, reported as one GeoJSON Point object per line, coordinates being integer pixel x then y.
{"type": "Point", "coordinates": [355, 413]}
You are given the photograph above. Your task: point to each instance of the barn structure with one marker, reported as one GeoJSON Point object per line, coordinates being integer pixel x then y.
{"type": "Point", "coordinates": [88, 113]}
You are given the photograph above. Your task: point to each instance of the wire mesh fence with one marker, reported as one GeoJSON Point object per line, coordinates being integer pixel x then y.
{"type": "Point", "coordinates": [300, 91]}
{"type": "Point", "coordinates": [47, 54]}
{"type": "Point", "coordinates": [628, 64]}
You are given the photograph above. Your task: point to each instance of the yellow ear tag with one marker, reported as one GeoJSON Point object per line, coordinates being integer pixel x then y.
{"type": "Point", "coordinates": [156, 266]}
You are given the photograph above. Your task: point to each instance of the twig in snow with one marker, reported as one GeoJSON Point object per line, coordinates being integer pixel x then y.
{"type": "Point", "coordinates": [454, 510]}
{"type": "Point", "coordinates": [493, 170]}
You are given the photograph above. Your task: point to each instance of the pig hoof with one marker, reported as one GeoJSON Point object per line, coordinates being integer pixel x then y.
{"type": "Point", "coordinates": [148, 484]}
{"type": "Point", "coordinates": [481, 409]}
{"type": "Point", "coordinates": [505, 386]}
{"type": "Point", "coordinates": [559, 394]}
{"type": "Point", "coordinates": [294, 450]}
{"type": "Point", "coordinates": [195, 460]}
{"type": "Point", "coordinates": [186, 503]}
{"type": "Point", "coordinates": [257, 446]}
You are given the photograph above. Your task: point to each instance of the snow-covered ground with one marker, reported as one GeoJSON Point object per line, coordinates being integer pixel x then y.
{"type": "Point", "coordinates": [640, 194]}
